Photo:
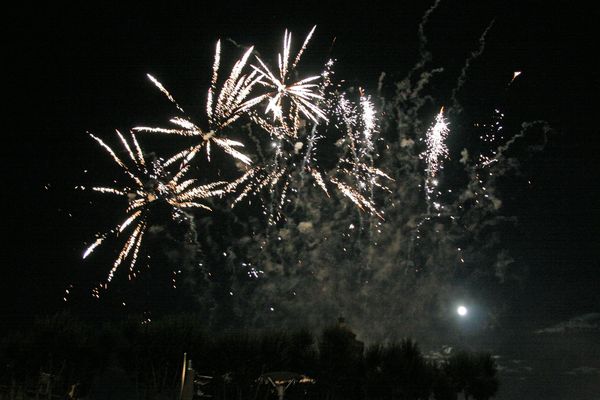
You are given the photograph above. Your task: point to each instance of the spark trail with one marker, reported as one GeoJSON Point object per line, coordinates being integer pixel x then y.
{"type": "Point", "coordinates": [434, 154]}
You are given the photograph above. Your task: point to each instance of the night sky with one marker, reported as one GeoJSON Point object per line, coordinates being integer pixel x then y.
{"type": "Point", "coordinates": [74, 70]}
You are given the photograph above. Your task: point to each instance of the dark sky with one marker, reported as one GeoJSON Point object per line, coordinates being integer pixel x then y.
{"type": "Point", "coordinates": [78, 69]}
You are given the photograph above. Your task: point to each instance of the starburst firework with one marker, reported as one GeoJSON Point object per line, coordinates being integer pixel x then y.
{"type": "Point", "coordinates": [301, 95]}
{"type": "Point", "coordinates": [229, 106]}
{"type": "Point", "coordinates": [151, 184]}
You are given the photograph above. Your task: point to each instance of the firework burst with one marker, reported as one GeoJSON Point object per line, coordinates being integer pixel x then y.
{"type": "Point", "coordinates": [150, 184]}
{"type": "Point", "coordinates": [228, 106]}
{"type": "Point", "coordinates": [296, 153]}
{"type": "Point", "coordinates": [356, 166]}
{"type": "Point", "coordinates": [301, 95]}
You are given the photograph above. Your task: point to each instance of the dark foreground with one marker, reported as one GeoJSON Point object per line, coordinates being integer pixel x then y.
{"type": "Point", "coordinates": [63, 358]}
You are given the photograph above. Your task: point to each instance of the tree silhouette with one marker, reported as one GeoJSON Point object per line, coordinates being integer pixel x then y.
{"type": "Point", "coordinates": [474, 374]}
{"type": "Point", "coordinates": [461, 370]}
{"type": "Point", "coordinates": [397, 371]}
{"type": "Point", "coordinates": [147, 360]}
{"type": "Point", "coordinates": [443, 386]}
{"type": "Point", "coordinates": [340, 363]}
{"type": "Point", "coordinates": [485, 383]}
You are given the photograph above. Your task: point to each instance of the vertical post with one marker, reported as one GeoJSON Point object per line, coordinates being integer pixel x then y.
{"type": "Point", "coordinates": [187, 382]}
{"type": "Point", "coordinates": [183, 370]}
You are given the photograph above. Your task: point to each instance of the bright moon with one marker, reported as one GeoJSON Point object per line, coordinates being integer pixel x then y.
{"type": "Point", "coordinates": [462, 311]}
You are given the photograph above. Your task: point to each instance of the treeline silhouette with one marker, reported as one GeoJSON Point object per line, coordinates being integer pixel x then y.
{"type": "Point", "coordinates": [63, 357]}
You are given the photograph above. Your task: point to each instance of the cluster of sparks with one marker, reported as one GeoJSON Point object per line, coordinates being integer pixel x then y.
{"type": "Point", "coordinates": [292, 115]}
{"type": "Point", "coordinates": [151, 184]}
{"type": "Point", "coordinates": [435, 153]}
{"type": "Point", "coordinates": [290, 105]}
{"type": "Point", "coordinates": [492, 134]}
